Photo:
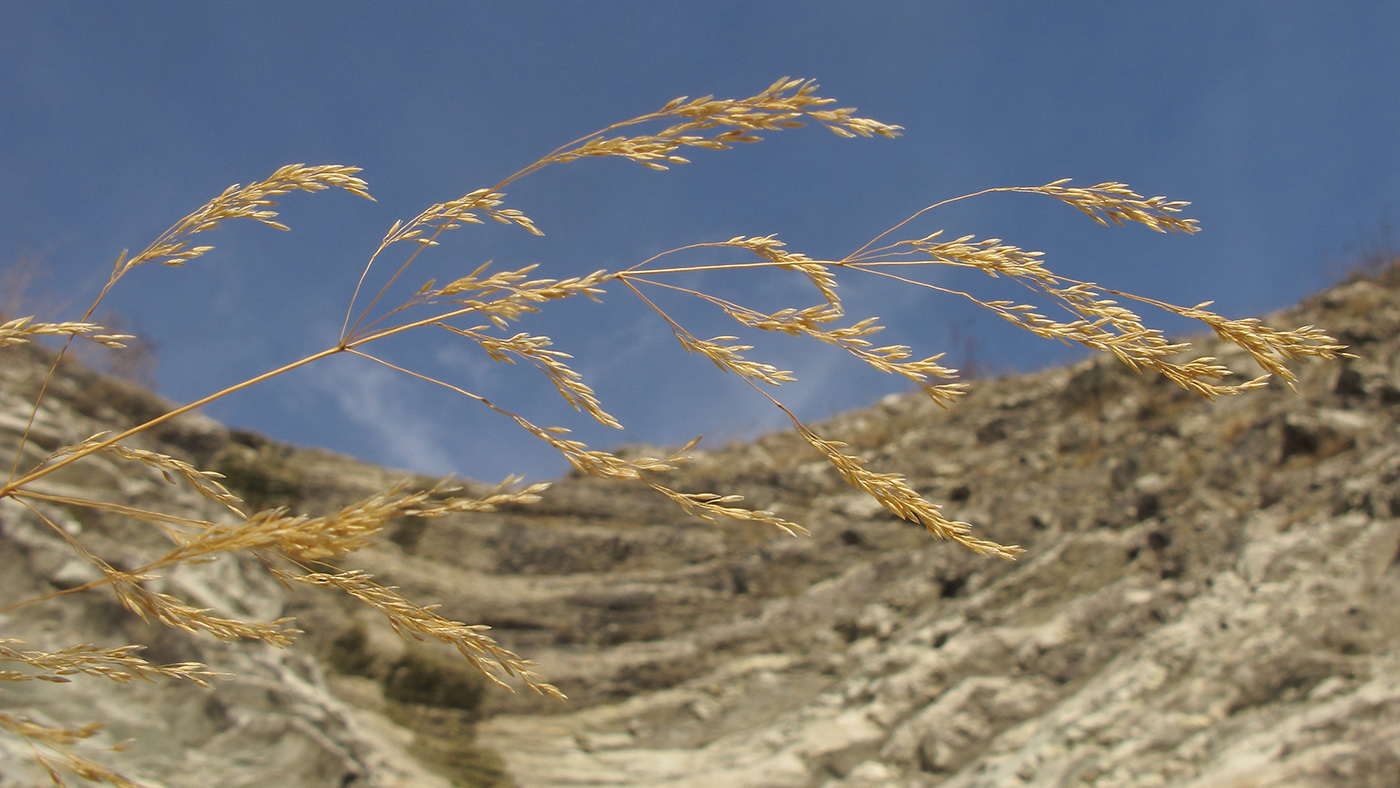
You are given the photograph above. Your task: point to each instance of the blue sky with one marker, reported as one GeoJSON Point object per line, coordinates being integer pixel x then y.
{"type": "Point", "coordinates": [1277, 120]}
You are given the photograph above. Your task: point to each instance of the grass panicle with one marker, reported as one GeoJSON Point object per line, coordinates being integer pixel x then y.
{"type": "Point", "coordinates": [420, 622]}
{"type": "Point", "coordinates": [121, 664]}
{"type": "Point", "coordinates": [53, 750]}
{"type": "Point", "coordinates": [19, 330]}
{"type": "Point", "coordinates": [480, 308]}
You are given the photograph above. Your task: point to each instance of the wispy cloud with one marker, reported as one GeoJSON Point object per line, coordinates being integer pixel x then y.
{"type": "Point", "coordinates": [383, 403]}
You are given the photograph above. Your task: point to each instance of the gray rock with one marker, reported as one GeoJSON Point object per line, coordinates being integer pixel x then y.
{"type": "Point", "coordinates": [1211, 597]}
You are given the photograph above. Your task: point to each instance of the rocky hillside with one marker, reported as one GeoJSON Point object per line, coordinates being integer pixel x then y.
{"type": "Point", "coordinates": [1210, 597]}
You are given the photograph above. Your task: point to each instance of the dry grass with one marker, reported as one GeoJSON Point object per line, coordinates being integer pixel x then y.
{"type": "Point", "coordinates": [480, 307]}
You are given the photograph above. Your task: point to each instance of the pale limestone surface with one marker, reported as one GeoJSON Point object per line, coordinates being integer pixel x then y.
{"type": "Point", "coordinates": [1210, 598]}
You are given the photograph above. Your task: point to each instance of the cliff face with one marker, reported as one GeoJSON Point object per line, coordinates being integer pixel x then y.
{"type": "Point", "coordinates": [277, 724]}
{"type": "Point", "coordinates": [1210, 597]}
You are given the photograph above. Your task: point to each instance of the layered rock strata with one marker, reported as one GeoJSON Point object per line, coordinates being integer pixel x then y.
{"type": "Point", "coordinates": [1210, 597]}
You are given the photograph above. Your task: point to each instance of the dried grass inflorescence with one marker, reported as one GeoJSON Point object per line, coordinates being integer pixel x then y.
{"type": "Point", "coordinates": [17, 331]}
{"type": "Point", "coordinates": [480, 308]}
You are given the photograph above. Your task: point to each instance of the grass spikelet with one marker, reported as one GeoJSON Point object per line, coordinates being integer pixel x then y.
{"type": "Point", "coordinates": [17, 331]}
{"type": "Point", "coordinates": [206, 483]}
{"type": "Point", "coordinates": [120, 664]}
{"type": "Point", "coordinates": [712, 507]}
{"type": "Point", "coordinates": [897, 497]}
{"type": "Point", "coordinates": [421, 623]}
{"type": "Point", "coordinates": [177, 614]}
{"type": "Point", "coordinates": [306, 539]}
{"type": "Point", "coordinates": [782, 106]}
{"type": "Point", "coordinates": [51, 746]}
{"type": "Point", "coordinates": [535, 350]}
{"type": "Point", "coordinates": [1115, 202]}
{"type": "Point", "coordinates": [253, 201]}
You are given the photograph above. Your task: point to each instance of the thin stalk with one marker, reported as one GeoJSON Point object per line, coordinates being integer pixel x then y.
{"type": "Point", "coordinates": [45, 470]}
{"type": "Point", "coordinates": [713, 267]}
{"type": "Point", "coordinates": [385, 289]}
{"type": "Point", "coordinates": [856, 254]}
{"type": "Point", "coordinates": [159, 518]}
